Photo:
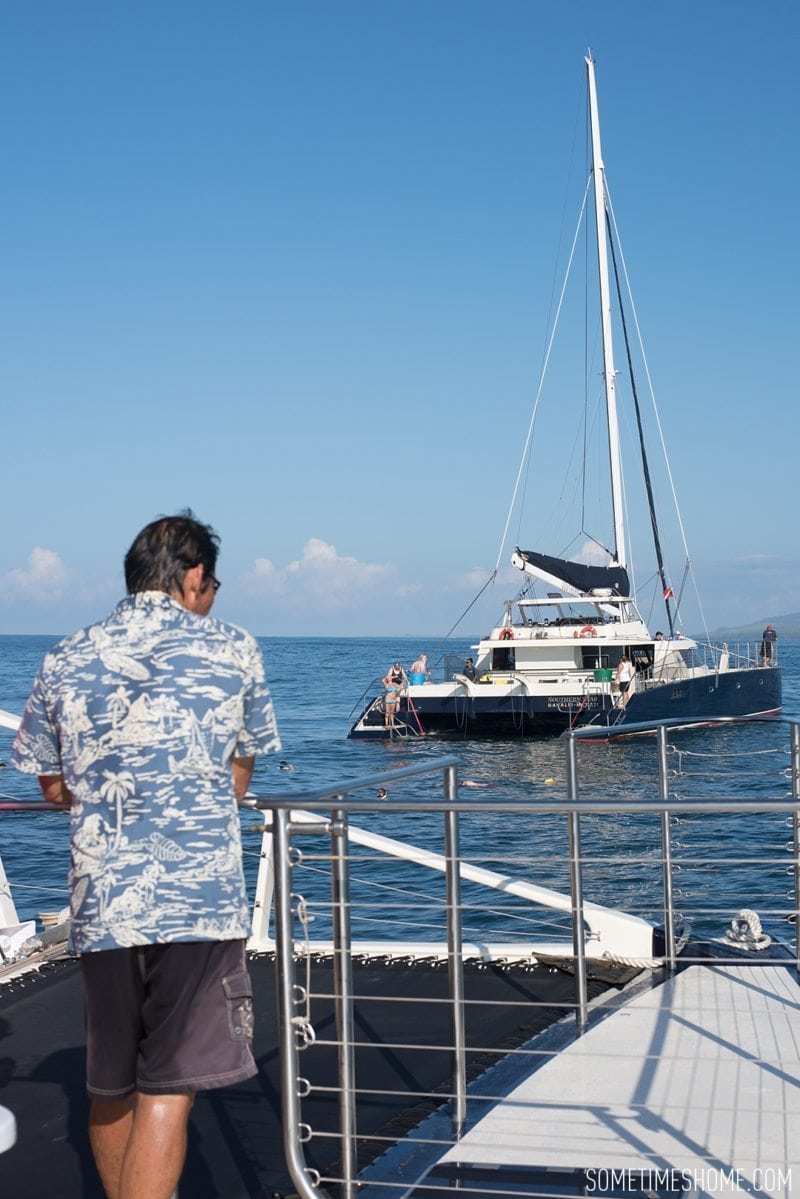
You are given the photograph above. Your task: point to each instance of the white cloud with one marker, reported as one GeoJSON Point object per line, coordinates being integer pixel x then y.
{"type": "Point", "coordinates": [322, 574]}
{"type": "Point", "coordinates": [45, 578]}
{"type": "Point", "coordinates": [263, 573]}
{"type": "Point", "coordinates": [474, 578]}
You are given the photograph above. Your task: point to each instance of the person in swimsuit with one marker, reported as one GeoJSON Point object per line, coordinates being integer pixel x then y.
{"type": "Point", "coordinates": [419, 667]}
{"type": "Point", "coordinates": [393, 684]}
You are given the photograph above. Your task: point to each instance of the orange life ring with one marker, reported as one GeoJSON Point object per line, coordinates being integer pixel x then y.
{"type": "Point", "coordinates": [588, 630]}
{"type": "Point", "coordinates": [506, 634]}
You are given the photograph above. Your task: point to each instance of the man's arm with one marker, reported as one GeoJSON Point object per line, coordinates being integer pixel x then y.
{"type": "Point", "coordinates": [55, 790]}
{"type": "Point", "coordinates": [242, 769]}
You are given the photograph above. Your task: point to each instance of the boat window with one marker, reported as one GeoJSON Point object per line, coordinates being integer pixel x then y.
{"type": "Point", "coordinates": [594, 657]}
{"type": "Point", "coordinates": [642, 656]}
{"type": "Point", "coordinates": [503, 659]}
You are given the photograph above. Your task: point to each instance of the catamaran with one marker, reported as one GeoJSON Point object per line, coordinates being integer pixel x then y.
{"type": "Point", "coordinates": [559, 660]}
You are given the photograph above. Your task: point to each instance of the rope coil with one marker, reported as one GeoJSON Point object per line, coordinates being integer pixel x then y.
{"type": "Point", "coordinates": [746, 932]}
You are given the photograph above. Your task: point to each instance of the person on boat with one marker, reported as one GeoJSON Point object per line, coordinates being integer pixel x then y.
{"type": "Point", "coordinates": [393, 683]}
{"type": "Point", "coordinates": [624, 675]}
{"type": "Point", "coordinates": [419, 666]}
{"type": "Point", "coordinates": [147, 725]}
{"type": "Point", "coordinates": [768, 640]}
{"type": "Point", "coordinates": [659, 636]}
{"type": "Point", "coordinates": [398, 675]}
{"type": "Point", "coordinates": [469, 671]}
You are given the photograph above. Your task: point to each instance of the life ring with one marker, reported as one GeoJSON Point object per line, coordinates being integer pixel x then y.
{"type": "Point", "coordinates": [507, 634]}
{"type": "Point", "coordinates": [588, 630]}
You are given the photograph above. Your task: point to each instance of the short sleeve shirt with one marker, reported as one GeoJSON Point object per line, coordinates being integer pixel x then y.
{"type": "Point", "coordinates": [142, 714]}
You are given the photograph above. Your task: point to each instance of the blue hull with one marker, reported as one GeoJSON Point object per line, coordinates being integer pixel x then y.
{"type": "Point", "coordinates": [734, 695]}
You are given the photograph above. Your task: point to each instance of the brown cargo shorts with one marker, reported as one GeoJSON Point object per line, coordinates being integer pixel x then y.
{"type": "Point", "coordinates": [167, 1019]}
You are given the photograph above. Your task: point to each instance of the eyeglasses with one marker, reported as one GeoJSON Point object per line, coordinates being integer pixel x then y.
{"type": "Point", "coordinates": [215, 583]}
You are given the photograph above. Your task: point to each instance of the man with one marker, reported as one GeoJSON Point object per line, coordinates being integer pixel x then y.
{"type": "Point", "coordinates": [147, 725]}
{"type": "Point", "coordinates": [768, 640]}
{"type": "Point", "coordinates": [624, 676]}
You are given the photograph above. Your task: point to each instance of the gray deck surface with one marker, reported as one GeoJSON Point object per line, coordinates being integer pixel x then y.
{"type": "Point", "coordinates": [701, 1074]}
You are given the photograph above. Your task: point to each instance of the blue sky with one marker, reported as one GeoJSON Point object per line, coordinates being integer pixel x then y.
{"type": "Point", "coordinates": [291, 264]}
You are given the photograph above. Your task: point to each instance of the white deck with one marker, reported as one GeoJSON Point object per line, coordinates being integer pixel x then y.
{"type": "Point", "coordinates": [701, 1074]}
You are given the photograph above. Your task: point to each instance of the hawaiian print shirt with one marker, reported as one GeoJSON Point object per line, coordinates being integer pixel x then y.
{"type": "Point", "coordinates": [142, 714]}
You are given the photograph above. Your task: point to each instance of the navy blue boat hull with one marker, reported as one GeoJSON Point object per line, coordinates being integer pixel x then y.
{"type": "Point", "coordinates": [493, 712]}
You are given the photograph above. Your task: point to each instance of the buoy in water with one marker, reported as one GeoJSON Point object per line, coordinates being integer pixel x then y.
{"type": "Point", "coordinates": [549, 781]}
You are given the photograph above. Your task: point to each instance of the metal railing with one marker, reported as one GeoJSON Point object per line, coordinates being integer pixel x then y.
{"type": "Point", "coordinates": [330, 812]}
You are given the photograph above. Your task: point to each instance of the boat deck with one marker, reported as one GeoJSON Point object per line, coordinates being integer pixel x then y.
{"type": "Point", "coordinates": [235, 1134]}
{"type": "Point", "coordinates": [696, 1080]}
{"type": "Point", "coordinates": [432, 1068]}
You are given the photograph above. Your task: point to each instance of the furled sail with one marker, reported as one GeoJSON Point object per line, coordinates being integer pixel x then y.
{"type": "Point", "coordinates": [574, 577]}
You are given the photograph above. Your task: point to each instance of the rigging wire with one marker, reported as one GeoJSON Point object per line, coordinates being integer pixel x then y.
{"type": "Point", "coordinates": [440, 648]}
{"type": "Point", "coordinates": [657, 415]}
{"type": "Point", "coordinates": [551, 304]}
{"type": "Point", "coordinates": [545, 364]}
{"type": "Point", "coordinates": [637, 410]}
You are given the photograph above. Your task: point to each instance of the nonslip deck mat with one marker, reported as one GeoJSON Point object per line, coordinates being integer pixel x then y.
{"type": "Point", "coordinates": [235, 1147]}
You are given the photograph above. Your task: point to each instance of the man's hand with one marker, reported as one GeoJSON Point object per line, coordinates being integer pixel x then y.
{"type": "Point", "coordinates": [242, 769]}
{"type": "Point", "coordinates": [54, 789]}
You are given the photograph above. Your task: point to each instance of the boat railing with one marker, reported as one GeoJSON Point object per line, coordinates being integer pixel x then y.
{"type": "Point", "coordinates": [369, 693]}
{"type": "Point", "coordinates": [714, 657]}
{"type": "Point", "coordinates": [738, 655]}
{"type": "Point", "coordinates": [648, 851]}
{"type": "Point", "coordinates": [451, 665]}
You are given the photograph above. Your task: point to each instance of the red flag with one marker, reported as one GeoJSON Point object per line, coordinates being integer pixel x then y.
{"type": "Point", "coordinates": [669, 593]}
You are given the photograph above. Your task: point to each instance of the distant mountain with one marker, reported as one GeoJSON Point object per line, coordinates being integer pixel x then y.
{"type": "Point", "coordinates": [785, 626]}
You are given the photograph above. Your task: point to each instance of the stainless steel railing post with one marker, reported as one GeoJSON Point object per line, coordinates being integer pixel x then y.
{"type": "Point", "coordinates": [290, 1096]}
{"type": "Point", "coordinates": [343, 989]}
{"type": "Point", "coordinates": [576, 889]}
{"type": "Point", "coordinates": [796, 837]}
{"type": "Point", "coordinates": [455, 958]}
{"type": "Point", "coordinates": [666, 850]}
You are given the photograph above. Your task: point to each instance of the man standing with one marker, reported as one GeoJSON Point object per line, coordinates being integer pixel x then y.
{"type": "Point", "coordinates": [146, 725]}
{"type": "Point", "coordinates": [768, 640]}
{"type": "Point", "coordinates": [624, 676]}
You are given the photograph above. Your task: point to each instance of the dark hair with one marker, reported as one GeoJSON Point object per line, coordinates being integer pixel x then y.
{"type": "Point", "coordinates": [166, 549]}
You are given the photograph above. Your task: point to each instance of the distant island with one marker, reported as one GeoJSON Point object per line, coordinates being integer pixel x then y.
{"type": "Point", "coordinates": [787, 626]}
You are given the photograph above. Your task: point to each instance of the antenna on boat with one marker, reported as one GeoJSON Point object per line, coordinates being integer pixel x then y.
{"type": "Point", "coordinates": [609, 372]}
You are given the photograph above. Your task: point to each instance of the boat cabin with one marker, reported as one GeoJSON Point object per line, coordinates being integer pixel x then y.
{"type": "Point", "coordinates": [585, 634]}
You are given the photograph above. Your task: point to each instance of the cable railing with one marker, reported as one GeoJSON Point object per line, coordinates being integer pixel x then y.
{"type": "Point", "coordinates": [664, 855]}
{"type": "Point", "coordinates": [435, 951]}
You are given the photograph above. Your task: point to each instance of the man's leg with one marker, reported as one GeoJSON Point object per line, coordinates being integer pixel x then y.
{"type": "Point", "coordinates": [139, 1144]}
{"type": "Point", "coordinates": [156, 1147]}
{"type": "Point", "coordinates": [110, 1124]}
{"type": "Point", "coordinates": [113, 991]}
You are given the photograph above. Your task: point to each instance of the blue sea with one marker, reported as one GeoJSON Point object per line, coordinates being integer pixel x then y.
{"type": "Point", "coordinates": [725, 862]}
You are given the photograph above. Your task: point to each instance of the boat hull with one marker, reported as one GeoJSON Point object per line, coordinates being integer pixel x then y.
{"type": "Point", "coordinates": [493, 711]}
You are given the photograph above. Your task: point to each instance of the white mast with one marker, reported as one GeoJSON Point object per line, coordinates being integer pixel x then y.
{"type": "Point", "coordinates": [609, 374]}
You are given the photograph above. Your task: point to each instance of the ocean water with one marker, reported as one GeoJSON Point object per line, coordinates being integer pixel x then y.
{"type": "Point", "coordinates": [725, 862]}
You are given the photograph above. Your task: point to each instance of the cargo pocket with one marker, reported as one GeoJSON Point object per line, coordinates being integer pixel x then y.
{"type": "Point", "coordinates": [239, 996]}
